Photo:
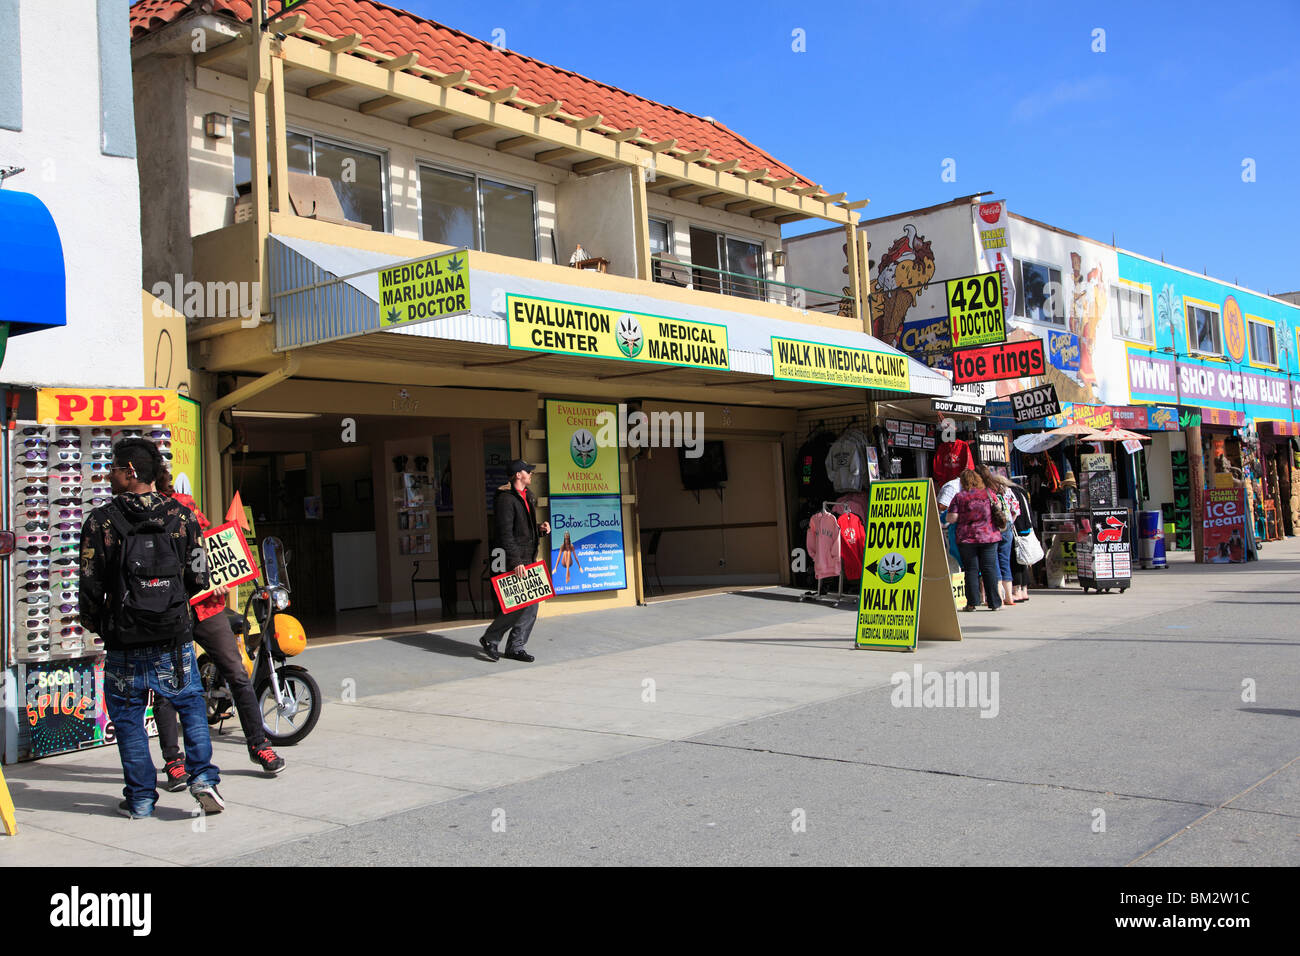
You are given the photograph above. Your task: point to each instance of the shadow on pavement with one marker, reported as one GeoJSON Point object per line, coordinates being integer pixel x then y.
{"type": "Point", "coordinates": [1274, 711]}
{"type": "Point", "coordinates": [438, 644]}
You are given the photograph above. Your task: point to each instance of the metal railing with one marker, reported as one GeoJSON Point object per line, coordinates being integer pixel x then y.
{"type": "Point", "coordinates": [673, 271]}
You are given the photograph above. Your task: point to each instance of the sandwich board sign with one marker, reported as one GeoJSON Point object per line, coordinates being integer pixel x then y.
{"type": "Point", "coordinates": [906, 587]}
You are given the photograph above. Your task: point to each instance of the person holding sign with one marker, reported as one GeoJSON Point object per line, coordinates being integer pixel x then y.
{"type": "Point", "coordinates": [142, 558]}
{"type": "Point", "coordinates": [518, 532]}
{"type": "Point", "coordinates": [213, 633]}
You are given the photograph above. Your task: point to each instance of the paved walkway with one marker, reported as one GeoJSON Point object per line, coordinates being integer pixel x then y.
{"type": "Point", "coordinates": [436, 734]}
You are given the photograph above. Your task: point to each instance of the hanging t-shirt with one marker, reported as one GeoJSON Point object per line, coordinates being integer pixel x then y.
{"type": "Point", "coordinates": [853, 540]}
{"type": "Point", "coordinates": [855, 501]}
{"type": "Point", "coordinates": [951, 458]}
{"type": "Point", "coordinates": [824, 545]}
{"type": "Point", "coordinates": [810, 480]}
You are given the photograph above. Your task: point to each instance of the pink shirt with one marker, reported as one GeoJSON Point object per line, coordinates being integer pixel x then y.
{"type": "Point", "coordinates": [824, 545]}
{"type": "Point", "coordinates": [974, 524]}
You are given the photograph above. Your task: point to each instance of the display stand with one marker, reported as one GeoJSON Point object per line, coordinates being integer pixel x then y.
{"type": "Point", "coordinates": [828, 507]}
{"type": "Point", "coordinates": [1103, 548]}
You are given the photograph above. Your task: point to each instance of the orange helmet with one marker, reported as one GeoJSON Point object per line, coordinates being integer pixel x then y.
{"type": "Point", "coordinates": [289, 635]}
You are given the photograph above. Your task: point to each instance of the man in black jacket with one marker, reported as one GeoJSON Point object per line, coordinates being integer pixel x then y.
{"type": "Point", "coordinates": [135, 662]}
{"type": "Point", "coordinates": [517, 533]}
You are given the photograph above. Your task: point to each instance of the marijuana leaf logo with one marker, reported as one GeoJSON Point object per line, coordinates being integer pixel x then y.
{"type": "Point", "coordinates": [394, 315]}
{"type": "Point", "coordinates": [455, 263]}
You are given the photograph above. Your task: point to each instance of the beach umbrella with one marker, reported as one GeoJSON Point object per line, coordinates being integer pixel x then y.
{"type": "Point", "coordinates": [1115, 433]}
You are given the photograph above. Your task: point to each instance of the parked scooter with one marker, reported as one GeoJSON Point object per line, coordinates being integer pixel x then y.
{"type": "Point", "coordinates": [287, 696]}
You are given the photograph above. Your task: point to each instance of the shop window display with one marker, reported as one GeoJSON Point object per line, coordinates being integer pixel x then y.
{"type": "Point", "coordinates": [60, 474]}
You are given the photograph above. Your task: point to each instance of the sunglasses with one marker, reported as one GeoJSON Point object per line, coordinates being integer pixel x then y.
{"type": "Point", "coordinates": [100, 456]}
{"type": "Point", "coordinates": [37, 526]}
{"type": "Point", "coordinates": [41, 573]}
{"type": "Point", "coordinates": [74, 442]}
{"type": "Point", "coordinates": [72, 631]}
{"type": "Point", "coordinates": [38, 455]}
{"type": "Point", "coordinates": [36, 549]}
{"type": "Point", "coordinates": [34, 442]}
{"type": "Point", "coordinates": [105, 465]}
{"type": "Point", "coordinates": [101, 432]}
{"type": "Point", "coordinates": [37, 538]}
{"type": "Point", "coordinates": [41, 586]}
{"type": "Point", "coordinates": [95, 478]}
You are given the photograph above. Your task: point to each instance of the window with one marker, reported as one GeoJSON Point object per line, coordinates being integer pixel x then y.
{"type": "Point", "coordinates": [661, 241]}
{"type": "Point", "coordinates": [1203, 333]}
{"type": "Point", "coordinates": [462, 209]}
{"type": "Point", "coordinates": [1039, 293]}
{"type": "Point", "coordinates": [358, 175]}
{"type": "Point", "coordinates": [1132, 315]}
{"type": "Point", "coordinates": [1263, 342]}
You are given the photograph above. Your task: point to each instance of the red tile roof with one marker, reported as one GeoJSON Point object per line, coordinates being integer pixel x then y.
{"type": "Point", "coordinates": [394, 32]}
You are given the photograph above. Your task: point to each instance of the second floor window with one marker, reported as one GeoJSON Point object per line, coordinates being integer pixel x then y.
{"type": "Point", "coordinates": [661, 243]}
{"type": "Point", "coordinates": [1132, 315]}
{"type": "Point", "coordinates": [1263, 343]}
{"type": "Point", "coordinates": [358, 175]}
{"type": "Point", "coordinates": [1040, 296]}
{"type": "Point", "coordinates": [1203, 330]}
{"type": "Point", "coordinates": [463, 209]}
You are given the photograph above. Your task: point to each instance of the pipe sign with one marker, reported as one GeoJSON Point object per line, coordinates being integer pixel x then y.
{"type": "Point", "coordinates": [975, 310]}
{"type": "Point", "coordinates": [113, 406]}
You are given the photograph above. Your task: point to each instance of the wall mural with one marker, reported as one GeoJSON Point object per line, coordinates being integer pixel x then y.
{"type": "Point", "coordinates": [902, 274]}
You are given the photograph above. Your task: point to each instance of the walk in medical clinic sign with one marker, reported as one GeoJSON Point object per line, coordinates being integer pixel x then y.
{"type": "Point", "coordinates": [820, 363]}
{"type": "Point", "coordinates": [906, 588]}
{"type": "Point", "coordinates": [114, 407]}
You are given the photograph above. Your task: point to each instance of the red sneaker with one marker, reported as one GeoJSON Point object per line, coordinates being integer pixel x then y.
{"type": "Point", "coordinates": [175, 779]}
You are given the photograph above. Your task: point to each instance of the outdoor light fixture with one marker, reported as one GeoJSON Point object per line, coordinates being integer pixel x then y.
{"type": "Point", "coordinates": [216, 125]}
{"type": "Point", "coordinates": [778, 258]}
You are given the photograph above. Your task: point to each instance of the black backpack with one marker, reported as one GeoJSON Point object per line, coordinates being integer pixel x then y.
{"type": "Point", "coordinates": [152, 606]}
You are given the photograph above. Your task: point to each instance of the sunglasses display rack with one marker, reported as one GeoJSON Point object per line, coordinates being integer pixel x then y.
{"type": "Point", "coordinates": [59, 474]}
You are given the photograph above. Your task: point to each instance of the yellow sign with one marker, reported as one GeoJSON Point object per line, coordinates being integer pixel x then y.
{"type": "Point", "coordinates": [568, 328]}
{"type": "Point", "coordinates": [794, 360]}
{"type": "Point", "coordinates": [119, 407]}
{"type": "Point", "coordinates": [429, 289]}
{"type": "Point", "coordinates": [900, 601]}
{"type": "Point", "coordinates": [582, 449]}
{"type": "Point", "coordinates": [959, 589]}
{"type": "Point", "coordinates": [7, 817]}
{"type": "Point", "coordinates": [975, 310]}
{"type": "Point", "coordinates": [230, 562]}
{"type": "Point", "coordinates": [245, 592]}
{"type": "Point", "coordinates": [187, 468]}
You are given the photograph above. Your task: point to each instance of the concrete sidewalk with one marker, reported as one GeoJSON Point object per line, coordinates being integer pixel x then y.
{"type": "Point", "coordinates": [433, 723]}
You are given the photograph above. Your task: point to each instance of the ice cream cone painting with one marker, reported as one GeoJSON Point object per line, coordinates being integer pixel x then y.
{"type": "Point", "coordinates": [903, 273]}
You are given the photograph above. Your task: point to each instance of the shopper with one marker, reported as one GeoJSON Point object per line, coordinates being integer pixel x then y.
{"type": "Point", "coordinates": [947, 492]}
{"type": "Point", "coordinates": [977, 538]}
{"type": "Point", "coordinates": [1010, 509]}
{"type": "Point", "coordinates": [1024, 526]}
{"type": "Point", "coordinates": [517, 532]}
{"type": "Point", "coordinates": [213, 633]}
{"type": "Point", "coordinates": [141, 561]}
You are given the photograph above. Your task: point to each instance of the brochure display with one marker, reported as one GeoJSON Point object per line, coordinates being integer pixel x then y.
{"type": "Point", "coordinates": [1104, 549]}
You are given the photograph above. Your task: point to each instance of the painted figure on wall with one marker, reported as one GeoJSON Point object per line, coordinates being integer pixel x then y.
{"type": "Point", "coordinates": [1087, 309]}
{"type": "Point", "coordinates": [902, 274]}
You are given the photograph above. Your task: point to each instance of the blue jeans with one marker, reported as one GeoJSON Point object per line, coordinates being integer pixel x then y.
{"type": "Point", "coordinates": [1005, 550]}
{"type": "Point", "coordinates": [128, 677]}
{"type": "Point", "coordinates": [981, 561]}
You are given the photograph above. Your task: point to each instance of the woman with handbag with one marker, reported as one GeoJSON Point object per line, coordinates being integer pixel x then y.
{"type": "Point", "coordinates": [1028, 551]}
{"type": "Point", "coordinates": [977, 538]}
{"type": "Point", "coordinates": [1004, 508]}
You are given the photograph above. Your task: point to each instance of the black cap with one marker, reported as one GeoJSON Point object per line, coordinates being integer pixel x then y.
{"type": "Point", "coordinates": [519, 465]}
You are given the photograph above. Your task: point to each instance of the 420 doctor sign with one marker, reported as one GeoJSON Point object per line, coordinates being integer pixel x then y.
{"type": "Point", "coordinates": [975, 310]}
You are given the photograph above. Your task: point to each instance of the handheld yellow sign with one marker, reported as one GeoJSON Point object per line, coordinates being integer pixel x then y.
{"type": "Point", "coordinates": [794, 360]}
{"type": "Point", "coordinates": [429, 289]}
{"type": "Point", "coordinates": [230, 562]}
{"type": "Point", "coordinates": [570, 328]}
{"type": "Point", "coordinates": [907, 591]}
{"type": "Point", "coordinates": [975, 310]}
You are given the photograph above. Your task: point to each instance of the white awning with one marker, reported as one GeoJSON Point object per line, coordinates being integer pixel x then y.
{"type": "Point", "coordinates": [335, 310]}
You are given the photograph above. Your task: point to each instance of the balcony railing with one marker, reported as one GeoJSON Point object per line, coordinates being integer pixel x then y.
{"type": "Point", "coordinates": [673, 271]}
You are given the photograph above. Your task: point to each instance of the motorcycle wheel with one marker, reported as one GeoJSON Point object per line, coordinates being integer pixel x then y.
{"type": "Point", "coordinates": [213, 686]}
{"type": "Point", "coordinates": [292, 724]}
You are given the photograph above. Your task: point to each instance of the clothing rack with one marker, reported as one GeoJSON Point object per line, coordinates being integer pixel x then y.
{"type": "Point", "coordinates": [830, 508]}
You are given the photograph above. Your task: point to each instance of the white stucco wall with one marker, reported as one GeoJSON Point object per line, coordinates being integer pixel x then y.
{"type": "Point", "coordinates": [93, 198]}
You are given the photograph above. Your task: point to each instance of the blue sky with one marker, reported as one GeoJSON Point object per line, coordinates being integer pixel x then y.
{"type": "Point", "coordinates": [1145, 140]}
